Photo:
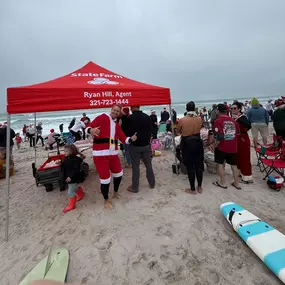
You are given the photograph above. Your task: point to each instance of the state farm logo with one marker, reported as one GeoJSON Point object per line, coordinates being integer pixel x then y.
{"type": "Point", "coordinates": [101, 80]}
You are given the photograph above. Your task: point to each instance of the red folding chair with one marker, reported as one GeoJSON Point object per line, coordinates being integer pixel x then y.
{"type": "Point", "coordinates": [268, 151]}
{"type": "Point", "coordinates": [275, 164]}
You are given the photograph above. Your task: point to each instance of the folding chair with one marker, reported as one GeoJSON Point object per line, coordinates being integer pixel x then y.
{"type": "Point", "coordinates": [267, 151]}
{"type": "Point", "coordinates": [275, 164]}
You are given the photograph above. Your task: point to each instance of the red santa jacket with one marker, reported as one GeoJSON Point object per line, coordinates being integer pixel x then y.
{"type": "Point", "coordinates": [110, 133]}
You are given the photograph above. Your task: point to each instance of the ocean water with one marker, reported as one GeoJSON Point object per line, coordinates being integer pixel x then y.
{"type": "Point", "coordinates": [52, 120]}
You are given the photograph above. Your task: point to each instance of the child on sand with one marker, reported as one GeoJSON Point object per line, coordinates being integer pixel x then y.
{"type": "Point", "coordinates": [18, 140]}
{"type": "Point", "coordinates": [73, 175]}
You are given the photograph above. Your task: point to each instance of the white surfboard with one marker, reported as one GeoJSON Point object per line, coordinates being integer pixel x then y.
{"type": "Point", "coordinates": [266, 242]}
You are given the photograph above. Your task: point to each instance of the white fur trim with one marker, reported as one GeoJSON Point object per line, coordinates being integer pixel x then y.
{"type": "Point", "coordinates": [127, 140]}
{"type": "Point", "coordinates": [115, 175]}
{"type": "Point", "coordinates": [246, 178]}
{"type": "Point", "coordinates": [105, 181]}
{"type": "Point", "coordinates": [86, 130]}
{"type": "Point", "coordinates": [105, 152]}
{"type": "Point", "coordinates": [112, 132]}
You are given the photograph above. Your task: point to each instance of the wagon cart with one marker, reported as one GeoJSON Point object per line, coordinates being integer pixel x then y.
{"type": "Point", "coordinates": [50, 173]}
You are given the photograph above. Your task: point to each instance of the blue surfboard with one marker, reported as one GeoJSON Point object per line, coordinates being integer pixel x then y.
{"type": "Point", "coordinates": [266, 242]}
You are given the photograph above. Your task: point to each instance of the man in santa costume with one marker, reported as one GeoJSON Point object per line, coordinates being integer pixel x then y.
{"type": "Point", "coordinates": [106, 132]}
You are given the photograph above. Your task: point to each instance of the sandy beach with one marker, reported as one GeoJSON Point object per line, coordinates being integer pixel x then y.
{"type": "Point", "coordinates": [156, 237]}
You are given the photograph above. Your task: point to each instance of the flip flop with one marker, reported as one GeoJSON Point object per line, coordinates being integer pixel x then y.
{"type": "Point", "coordinates": [217, 183]}
{"type": "Point", "coordinates": [237, 187]}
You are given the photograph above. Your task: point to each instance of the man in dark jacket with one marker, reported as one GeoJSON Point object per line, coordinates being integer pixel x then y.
{"type": "Point", "coordinates": [164, 116]}
{"type": "Point", "coordinates": [141, 125]}
{"type": "Point", "coordinates": [3, 142]}
{"type": "Point", "coordinates": [3, 137]}
{"type": "Point", "coordinates": [278, 118]}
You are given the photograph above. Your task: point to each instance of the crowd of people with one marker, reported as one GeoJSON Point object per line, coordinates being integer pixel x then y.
{"type": "Point", "coordinates": [230, 142]}
{"type": "Point", "coordinates": [222, 130]}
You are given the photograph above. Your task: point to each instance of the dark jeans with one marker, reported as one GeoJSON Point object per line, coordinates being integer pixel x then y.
{"type": "Point", "coordinates": [39, 137]}
{"type": "Point", "coordinates": [137, 153]}
{"type": "Point", "coordinates": [76, 136]}
{"type": "Point", "coordinates": [32, 140]}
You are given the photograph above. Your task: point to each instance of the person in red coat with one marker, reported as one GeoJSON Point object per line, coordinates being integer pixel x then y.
{"type": "Point", "coordinates": [106, 132]}
{"type": "Point", "coordinates": [243, 153]}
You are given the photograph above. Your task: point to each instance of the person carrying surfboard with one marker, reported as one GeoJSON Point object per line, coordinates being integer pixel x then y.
{"type": "Point", "coordinates": [73, 175]}
{"type": "Point", "coordinates": [106, 132]}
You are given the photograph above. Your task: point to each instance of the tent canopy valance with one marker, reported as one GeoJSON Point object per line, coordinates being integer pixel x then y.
{"type": "Point", "coordinates": [91, 86]}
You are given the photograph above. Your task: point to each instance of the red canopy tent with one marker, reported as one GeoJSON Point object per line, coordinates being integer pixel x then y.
{"type": "Point", "coordinates": [89, 87]}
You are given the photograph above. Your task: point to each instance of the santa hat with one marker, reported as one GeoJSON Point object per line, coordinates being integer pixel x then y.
{"type": "Point", "coordinates": [126, 110]}
{"type": "Point", "coordinates": [52, 130]}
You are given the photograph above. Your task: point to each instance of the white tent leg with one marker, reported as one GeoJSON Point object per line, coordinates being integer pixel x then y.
{"type": "Point", "coordinates": [8, 146]}
{"type": "Point", "coordinates": [35, 126]}
{"type": "Point", "coordinates": [173, 138]}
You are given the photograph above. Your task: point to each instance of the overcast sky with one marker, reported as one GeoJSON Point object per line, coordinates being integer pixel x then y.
{"type": "Point", "coordinates": [200, 49]}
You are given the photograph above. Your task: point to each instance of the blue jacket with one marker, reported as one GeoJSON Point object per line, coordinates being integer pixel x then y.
{"type": "Point", "coordinates": [257, 114]}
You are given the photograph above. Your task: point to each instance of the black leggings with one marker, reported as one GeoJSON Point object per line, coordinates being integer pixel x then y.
{"type": "Point", "coordinates": [192, 172]}
{"type": "Point", "coordinates": [105, 187]}
{"type": "Point", "coordinates": [193, 158]}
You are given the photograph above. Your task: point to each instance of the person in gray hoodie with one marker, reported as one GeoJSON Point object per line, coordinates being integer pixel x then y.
{"type": "Point", "coordinates": [259, 120]}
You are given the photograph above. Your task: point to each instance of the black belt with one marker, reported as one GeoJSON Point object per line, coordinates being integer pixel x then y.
{"type": "Point", "coordinates": [105, 140]}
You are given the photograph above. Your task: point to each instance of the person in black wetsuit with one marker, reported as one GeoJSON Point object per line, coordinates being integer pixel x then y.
{"type": "Point", "coordinates": [153, 118]}
{"type": "Point", "coordinates": [192, 147]}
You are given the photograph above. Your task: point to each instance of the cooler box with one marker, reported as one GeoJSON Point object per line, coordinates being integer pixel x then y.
{"type": "Point", "coordinates": [162, 128]}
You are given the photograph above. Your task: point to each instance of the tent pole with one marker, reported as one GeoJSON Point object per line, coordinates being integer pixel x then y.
{"type": "Point", "coordinates": [173, 138]}
{"type": "Point", "coordinates": [8, 157]}
{"type": "Point", "coordinates": [35, 124]}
